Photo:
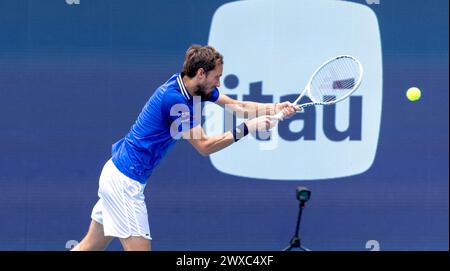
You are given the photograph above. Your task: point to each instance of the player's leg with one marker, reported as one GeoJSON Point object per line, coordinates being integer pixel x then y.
{"type": "Point", "coordinates": [124, 212]}
{"type": "Point", "coordinates": [136, 243]}
{"type": "Point", "coordinates": [95, 239]}
{"type": "Point", "coordinates": [139, 232]}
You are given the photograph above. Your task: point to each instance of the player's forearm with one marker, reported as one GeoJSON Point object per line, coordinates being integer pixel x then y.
{"type": "Point", "coordinates": [213, 144]}
{"type": "Point", "coordinates": [257, 109]}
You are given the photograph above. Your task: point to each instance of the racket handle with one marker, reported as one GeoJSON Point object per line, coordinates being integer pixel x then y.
{"type": "Point", "coordinates": [279, 116]}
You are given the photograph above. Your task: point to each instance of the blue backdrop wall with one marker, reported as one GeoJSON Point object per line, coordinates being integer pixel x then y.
{"type": "Point", "coordinates": [74, 77]}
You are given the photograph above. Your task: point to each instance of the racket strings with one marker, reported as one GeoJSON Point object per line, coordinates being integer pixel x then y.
{"type": "Point", "coordinates": [335, 80]}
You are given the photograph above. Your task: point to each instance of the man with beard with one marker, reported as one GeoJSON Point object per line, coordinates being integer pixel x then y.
{"type": "Point", "coordinates": [168, 115]}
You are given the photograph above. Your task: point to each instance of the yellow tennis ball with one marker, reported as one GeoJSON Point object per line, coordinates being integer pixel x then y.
{"type": "Point", "coordinates": [413, 94]}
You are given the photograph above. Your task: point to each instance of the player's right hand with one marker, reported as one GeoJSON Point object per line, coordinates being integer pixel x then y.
{"type": "Point", "coordinates": [260, 124]}
{"type": "Point", "coordinates": [288, 109]}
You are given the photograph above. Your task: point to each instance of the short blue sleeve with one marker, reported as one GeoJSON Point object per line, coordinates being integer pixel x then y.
{"type": "Point", "coordinates": [177, 113]}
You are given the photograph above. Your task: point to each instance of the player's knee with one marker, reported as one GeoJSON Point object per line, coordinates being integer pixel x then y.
{"type": "Point", "coordinates": [135, 243]}
{"type": "Point", "coordinates": [91, 245]}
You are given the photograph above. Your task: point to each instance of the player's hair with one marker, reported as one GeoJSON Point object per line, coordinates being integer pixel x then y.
{"type": "Point", "coordinates": [198, 56]}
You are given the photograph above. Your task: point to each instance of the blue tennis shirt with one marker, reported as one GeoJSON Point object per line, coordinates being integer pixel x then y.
{"type": "Point", "coordinates": [167, 113]}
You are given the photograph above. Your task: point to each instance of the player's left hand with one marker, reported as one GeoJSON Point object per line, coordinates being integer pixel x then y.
{"type": "Point", "coordinates": [288, 109]}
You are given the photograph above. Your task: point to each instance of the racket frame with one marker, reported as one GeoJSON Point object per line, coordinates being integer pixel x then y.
{"type": "Point", "coordinates": [307, 89]}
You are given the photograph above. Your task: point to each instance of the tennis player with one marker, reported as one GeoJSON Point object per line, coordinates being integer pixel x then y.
{"type": "Point", "coordinates": [167, 116]}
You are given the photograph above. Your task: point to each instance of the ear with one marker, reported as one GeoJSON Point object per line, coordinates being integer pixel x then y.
{"type": "Point", "coordinates": [201, 73]}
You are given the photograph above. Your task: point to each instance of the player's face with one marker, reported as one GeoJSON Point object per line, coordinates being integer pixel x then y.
{"type": "Point", "coordinates": [211, 81]}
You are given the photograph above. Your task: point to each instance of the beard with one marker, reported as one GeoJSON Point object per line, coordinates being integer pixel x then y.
{"type": "Point", "coordinates": [201, 91]}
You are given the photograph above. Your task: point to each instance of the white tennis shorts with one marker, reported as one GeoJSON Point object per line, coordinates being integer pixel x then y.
{"type": "Point", "coordinates": [121, 207]}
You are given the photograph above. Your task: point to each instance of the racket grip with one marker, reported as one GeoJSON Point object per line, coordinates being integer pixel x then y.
{"type": "Point", "coordinates": [279, 116]}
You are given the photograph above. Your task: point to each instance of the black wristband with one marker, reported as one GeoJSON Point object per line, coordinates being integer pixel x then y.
{"type": "Point", "coordinates": [240, 131]}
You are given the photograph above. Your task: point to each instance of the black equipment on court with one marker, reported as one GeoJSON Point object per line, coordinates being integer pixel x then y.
{"type": "Point", "coordinates": [303, 194]}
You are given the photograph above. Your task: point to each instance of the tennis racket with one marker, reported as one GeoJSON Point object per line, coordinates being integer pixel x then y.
{"type": "Point", "coordinates": [334, 81]}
